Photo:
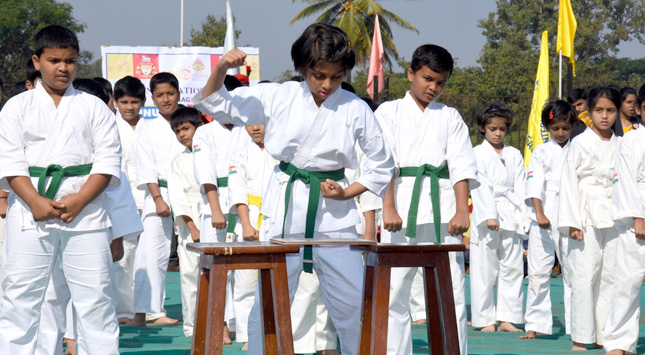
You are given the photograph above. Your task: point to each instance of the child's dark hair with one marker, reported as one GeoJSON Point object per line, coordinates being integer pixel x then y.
{"type": "Point", "coordinates": [232, 82]}
{"type": "Point", "coordinates": [129, 86]}
{"type": "Point", "coordinates": [54, 36]}
{"type": "Point", "coordinates": [437, 58]}
{"type": "Point", "coordinates": [559, 111]}
{"type": "Point", "coordinates": [18, 88]}
{"type": "Point", "coordinates": [92, 87]}
{"type": "Point", "coordinates": [186, 115]}
{"type": "Point", "coordinates": [626, 91]}
{"type": "Point", "coordinates": [321, 41]}
{"type": "Point", "coordinates": [577, 94]}
{"type": "Point", "coordinates": [106, 84]}
{"type": "Point", "coordinates": [492, 110]}
{"type": "Point", "coordinates": [606, 92]}
{"type": "Point", "coordinates": [164, 78]}
{"type": "Point", "coordinates": [32, 73]}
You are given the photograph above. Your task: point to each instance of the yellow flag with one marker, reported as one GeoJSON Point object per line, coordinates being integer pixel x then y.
{"type": "Point", "coordinates": [537, 133]}
{"type": "Point", "coordinates": [566, 31]}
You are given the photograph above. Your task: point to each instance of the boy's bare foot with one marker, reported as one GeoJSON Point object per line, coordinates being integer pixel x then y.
{"type": "Point", "coordinates": [225, 336]}
{"type": "Point", "coordinates": [616, 352]}
{"type": "Point", "coordinates": [489, 328]}
{"type": "Point", "coordinates": [164, 320]}
{"type": "Point", "coordinates": [139, 320]}
{"type": "Point", "coordinates": [597, 346]}
{"type": "Point", "coordinates": [578, 347]}
{"type": "Point", "coordinates": [508, 327]}
{"type": "Point", "coordinates": [124, 320]}
{"type": "Point", "coordinates": [245, 346]}
{"type": "Point", "coordinates": [70, 346]}
{"type": "Point", "coordinates": [420, 321]}
{"type": "Point", "coordinates": [469, 323]}
{"type": "Point", "coordinates": [329, 352]}
{"type": "Point", "coordinates": [529, 335]}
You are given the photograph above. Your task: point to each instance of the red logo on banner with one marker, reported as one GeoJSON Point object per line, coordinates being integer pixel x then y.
{"type": "Point", "coordinates": [146, 65]}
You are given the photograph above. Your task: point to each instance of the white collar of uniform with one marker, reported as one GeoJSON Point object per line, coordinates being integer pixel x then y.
{"type": "Point", "coordinates": [487, 144]}
{"type": "Point", "coordinates": [589, 131]}
{"type": "Point", "coordinates": [409, 100]}
{"type": "Point", "coordinates": [40, 91]}
{"type": "Point", "coordinates": [309, 97]}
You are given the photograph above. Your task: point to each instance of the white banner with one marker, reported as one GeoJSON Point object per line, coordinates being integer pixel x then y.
{"type": "Point", "coordinates": [191, 65]}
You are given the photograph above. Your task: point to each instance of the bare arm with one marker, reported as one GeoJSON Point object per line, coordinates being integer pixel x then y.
{"type": "Point", "coordinates": [460, 222]}
{"type": "Point", "coordinates": [161, 206]}
{"type": "Point", "coordinates": [232, 59]}
{"type": "Point", "coordinates": [43, 209]}
{"type": "Point", "coordinates": [542, 221]}
{"type": "Point", "coordinates": [194, 231]}
{"type": "Point", "coordinates": [370, 225]}
{"type": "Point", "coordinates": [248, 232]}
{"type": "Point", "coordinates": [217, 217]}
{"type": "Point", "coordinates": [74, 203]}
{"type": "Point", "coordinates": [391, 220]}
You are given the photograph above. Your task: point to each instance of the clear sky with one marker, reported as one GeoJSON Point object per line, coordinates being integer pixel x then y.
{"type": "Point", "coordinates": [265, 24]}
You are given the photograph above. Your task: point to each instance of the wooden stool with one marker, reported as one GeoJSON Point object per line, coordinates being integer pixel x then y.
{"type": "Point", "coordinates": [440, 304]}
{"type": "Point", "coordinates": [216, 260]}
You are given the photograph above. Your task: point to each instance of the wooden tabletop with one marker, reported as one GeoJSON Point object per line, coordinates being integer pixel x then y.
{"type": "Point", "coordinates": [236, 248]}
{"type": "Point", "coordinates": [409, 248]}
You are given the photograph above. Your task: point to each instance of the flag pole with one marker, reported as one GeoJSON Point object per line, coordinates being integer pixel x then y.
{"type": "Point", "coordinates": [560, 77]}
{"type": "Point", "coordinates": [181, 30]}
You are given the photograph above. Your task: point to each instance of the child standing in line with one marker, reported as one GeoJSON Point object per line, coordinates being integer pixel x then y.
{"type": "Point", "coordinates": [431, 136]}
{"type": "Point", "coordinates": [156, 147]}
{"type": "Point", "coordinates": [542, 192]}
{"type": "Point", "coordinates": [312, 128]}
{"type": "Point", "coordinates": [496, 252]}
{"type": "Point", "coordinates": [585, 216]}
{"type": "Point", "coordinates": [627, 112]}
{"type": "Point", "coordinates": [184, 195]}
{"type": "Point", "coordinates": [71, 137]}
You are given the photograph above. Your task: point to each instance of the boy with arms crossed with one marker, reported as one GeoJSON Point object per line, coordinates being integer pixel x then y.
{"type": "Point", "coordinates": [424, 133]}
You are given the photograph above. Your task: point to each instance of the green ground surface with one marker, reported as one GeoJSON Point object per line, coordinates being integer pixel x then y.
{"type": "Point", "coordinates": [170, 340]}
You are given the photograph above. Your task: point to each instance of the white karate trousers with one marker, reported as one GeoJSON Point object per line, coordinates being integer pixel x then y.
{"type": "Point", "coordinates": [621, 329]}
{"type": "Point", "coordinates": [86, 260]}
{"type": "Point", "coordinates": [150, 265]}
{"type": "Point", "coordinates": [543, 243]}
{"type": "Point", "coordinates": [418, 297]}
{"type": "Point", "coordinates": [123, 280]}
{"type": "Point", "coordinates": [591, 268]}
{"type": "Point", "coordinates": [53, 314]}
{"type": "Point", "coordinates": [340, 271]}
{"type": "Point", "coordinates": [399, 338]}
{"type": "Point", "coordinates": [189, 276]}
{"type": "Point", "coordinates": [311, 325]}
{"type": "Point", "coordinates": [3, 255]}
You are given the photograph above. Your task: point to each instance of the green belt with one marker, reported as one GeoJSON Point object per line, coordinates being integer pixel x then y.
{"type": "Point", "coordinates": [230, 224]}
{"type": "Point", "coordinates": [222, 182]}
{"type": "Point", "coordinates": [313, 179]}
{"type": "Point", "coordinates": [57, 173]}
{"type": "Point", "coordinates": [435, 174]}
{"type": "Point", "coordinates": [164, 183]}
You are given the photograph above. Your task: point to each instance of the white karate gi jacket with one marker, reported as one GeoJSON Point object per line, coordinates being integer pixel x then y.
{"type": "Point", "coordinates": [82, 130]}
{"type": "Point", "coordinates": [437, 136]}
{"type": "Point", "coordinates": [183, 190]}
{"type": "Point", "coordinates": [628, 193]}
{"type": "Point", "coordinates": [129, 147]}
{"type": "Point", "coordinates": [288, 112]}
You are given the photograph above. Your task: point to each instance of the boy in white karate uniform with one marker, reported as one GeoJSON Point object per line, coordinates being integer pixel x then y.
{"type": "Point", "coordinates": [67, 135]}
{"type": "Point", "coordinates": [545, 241]}
{"type": "Point", "coordinates": [184, 202]}
{"type": "Point", "coordinates": [585, 216]}
{"type": "Point", "coordinates": [496, 252]}
{"type": "Point", "coordinates": [312, 128]}
{"type": "Point", "coordinates": [424, 133]}
{"type": "Point", "coordinates": [620, 335]}
{"type": "Point", "coordinates": [157, 146]}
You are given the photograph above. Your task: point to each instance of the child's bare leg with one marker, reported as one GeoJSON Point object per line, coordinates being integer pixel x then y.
{"type": "Point", "coordinates": [226, 336]}
{"type": "Point", "coordinates": [420, 321]}
{"type": "Point", "coordinates": [578, 347]}
{"type": "Point", "coordinates": [139, 320]}
{"type": "Point", "coordinates": [507, 327]}
{"type": "Point", "coordinates": [163, 320]}
{"type": "Point", "coordinates": [616, 352]}
{"type": "Point", "coordinates": [329, 352]}
{"type": "Point", "coordinates": [489, 328]}
{"type": "Point", "coordinates": [530, 334]}
{"type": "Point", "coordinates": [124, 320]}
{"type": "Point", "coordinates": [245, 346]}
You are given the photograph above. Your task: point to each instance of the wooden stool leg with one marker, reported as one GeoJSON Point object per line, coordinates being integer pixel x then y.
{"type": "Point", "coordinates": [283, 306]}
{"type": "Point", "coordinates": [381, 308]}
{"type": "Point", "coordinates": [267, 311]}
{"type": "Point", "coordinates": [201, 315]}
{"type": "Point", "coordinates": [366, 321]}
{"type": "Point", "coordinates": [216, 304]}
{"type": "Point", "coordinates": [440, 308]}
{"type": "Point", "coordinates": [433, 312]}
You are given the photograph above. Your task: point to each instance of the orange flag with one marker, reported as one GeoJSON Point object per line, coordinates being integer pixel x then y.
{"type": "Point", "coordinates": [376, 61]}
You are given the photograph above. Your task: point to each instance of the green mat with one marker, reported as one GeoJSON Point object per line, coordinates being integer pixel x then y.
{"type": "Point", "coordinates": [170, 340]}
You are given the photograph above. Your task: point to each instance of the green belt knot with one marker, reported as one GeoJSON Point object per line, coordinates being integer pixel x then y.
{"type": "Point", "coordinates": [435, 173]}
{"type": "Point", "coordinates": [57, 173]}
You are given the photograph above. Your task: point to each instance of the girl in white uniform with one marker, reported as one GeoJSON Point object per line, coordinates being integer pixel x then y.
{"type": "Point", "coordinates": [585, 216]}
{"type": "Point", "coordinates": [545, 241]}
{"type": "Point", "coordinates": [496, 252]}
{"type": "Point", "coordinates": [312, 128]}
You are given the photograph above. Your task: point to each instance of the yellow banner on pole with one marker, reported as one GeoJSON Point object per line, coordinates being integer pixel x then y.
{"type": "Point", "coordinates": [567, 26]}
{"type": "Point", "coordinates": [537, 133]}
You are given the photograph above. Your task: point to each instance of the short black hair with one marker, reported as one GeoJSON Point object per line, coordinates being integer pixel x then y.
{"type": "Point", "coordinates": [492, 110]}
{"type": "Point", "coordinates": [577, 94]}
{"type": "Point", "coordinates": [106, 84]}
{"type": "Point", "coordinates": [373, 105]}
{"type": "Point", "coordinates": [18, 88]}
{"type": "Point", "coordinates": [606, 92]}
{"type": "Point", "coordinates": [231, 83]}
{"type": "Point", "coordinates": [55, 36]}
{"type": "Point", "coordinates": [437, 58]}
{"type": "Point", "coordinates": [347, 87]}
{"type": "Point", "coordinates": [558, 111]}
{"type": "Point", "coordinates": [186, 115]}
{"type": "Point", "coordinates": [164, 78]}
{"type": "Point", "coordinates": [321, 41]}
{"type": "Point", "coordinates": [129, 86]}
{"type": "Point", "coordinates": [32, 73]}
{"type": "Point", "coordinates": [1, 84]}
{"type": "Point", "coordinates": [92, 87]}
{"type": "Point", "coordinates": [626, 91]}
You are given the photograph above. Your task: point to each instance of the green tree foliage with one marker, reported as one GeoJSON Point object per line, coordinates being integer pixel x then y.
{"type": "Point", "coordinates": [356, 18]}
{"type": "Point", "coordinates": [20, 20]}
{"type": "Point", "coordinates": [212, 33]}
{"type": "Point", "coordinates": [87, 66]}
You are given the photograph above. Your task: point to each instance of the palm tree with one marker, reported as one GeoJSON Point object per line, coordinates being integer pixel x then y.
{"type": "Point", "coordinates": [356, 18]}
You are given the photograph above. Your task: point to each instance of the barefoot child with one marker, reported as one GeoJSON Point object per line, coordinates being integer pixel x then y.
{"type": "Point", "coordinates": [496, 250]}
{"type": "Point", "coordinates": [311, 127]}
{"type": "Point", "coordinates": [585, 216]}
{"type": "Point", "coordinates": [542, 191]}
